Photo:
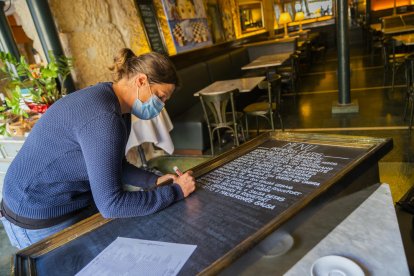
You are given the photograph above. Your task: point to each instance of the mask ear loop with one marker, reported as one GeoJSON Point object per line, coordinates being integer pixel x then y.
{"type": "Point", "coordinates": [138, 93]}
{"type": "Point", "coordinates": [138, 89]}
{"type": "Point", "coordinates": [149, 87]}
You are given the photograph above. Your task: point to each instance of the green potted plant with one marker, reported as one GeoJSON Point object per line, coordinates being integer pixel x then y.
{"type": "Point", "coordinates": [16, 115]}
{"type": "Point", "coordinates": [3, 130]}
{"type": "Point", "coordinates": [40, 82]}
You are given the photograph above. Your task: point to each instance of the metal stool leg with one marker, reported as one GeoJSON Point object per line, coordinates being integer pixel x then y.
{"type": "Point", "coordinates": [247, 127]}
{"type": "Point", "coordinates": [393, 75]}
{"type": "Point", "coordinates": [407, 103]}
{"type": "Point", "coordinates": [242, 132]}
{"type": "Point", "coordinates": [211, 135]}
{"type": "Point", "coordinates": [272, 124]}
{"type": "Point", "coordinates": [219, 137]}
{"type": "Point", "coordinates": [281, 122]}
{"type": "Point", "coordinates": [141, 154]}
{"type": "Point", "coordinates": [412, 112]}
{"type": "Point", "coordinates": [236, 135]}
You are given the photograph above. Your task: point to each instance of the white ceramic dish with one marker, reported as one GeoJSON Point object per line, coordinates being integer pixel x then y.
{"type": "Point", "coordinates": [335, 266]}
{"type": "Point", "coordinates": [275, 244]}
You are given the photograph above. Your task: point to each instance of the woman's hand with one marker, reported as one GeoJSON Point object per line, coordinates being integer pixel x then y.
{"type": "Point", "coordinates": [186, 182]}
{"type": "Point", "coordinates": [166, 177]}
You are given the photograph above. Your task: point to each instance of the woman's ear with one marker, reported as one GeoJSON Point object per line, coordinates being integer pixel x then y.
{"type": "Point", "coordinates": [140, 79]}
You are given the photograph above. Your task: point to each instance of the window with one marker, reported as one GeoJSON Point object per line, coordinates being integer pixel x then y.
{"type": "Point", "coordinates": [311, 8]}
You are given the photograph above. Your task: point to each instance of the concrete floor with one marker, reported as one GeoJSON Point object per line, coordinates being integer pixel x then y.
{"type": "Point", "coordinates": [380, 115]}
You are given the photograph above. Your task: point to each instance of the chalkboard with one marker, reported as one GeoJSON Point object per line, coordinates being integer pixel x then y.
{"type": "Point", "coordinates": [241, 197]}
{"type": "Point", "coordinates": [152, 29]}
{"type": "Point", "coordinates": [277, 174]}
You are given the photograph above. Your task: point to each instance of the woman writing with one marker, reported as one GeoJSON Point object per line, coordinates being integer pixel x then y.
{"type": "Point", "coordinates": [73, 160]}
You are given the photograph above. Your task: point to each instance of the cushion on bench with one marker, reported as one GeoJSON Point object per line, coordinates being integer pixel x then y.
{"type": "Point", "coordinates": [408, 19]}
{"type": "Point", "coordinates": [220, 68]}
{"type": "Point", "coordinates": [193, 79]}
{"type": "Point", "coordinates": [239, 58]}
{"type": "Point", "coordinates": [190, 129]}
{"type": "Point", "coordinates": [267, 48]}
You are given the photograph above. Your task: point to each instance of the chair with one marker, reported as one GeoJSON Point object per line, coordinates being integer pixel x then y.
{"type": "Point", "coordinates": [375, 42]}
{"type": "Point", "coordinates": [392, 59]}
{"type": "Point", "coordinates": [290, 74]}
{"type": "Point", "coordinates": [409, 96]}
{"type": "Point", "coordinates": [318, 48]}
{"type": "Point", "coordinates": [304, 56]}
{"type": "Point", "coordinates": [214, 107]}
{"type": "Point", "coordinates": [266, 109]}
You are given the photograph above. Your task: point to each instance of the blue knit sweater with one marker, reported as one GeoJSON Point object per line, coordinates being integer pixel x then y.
{"type": "Point", "coordinates": [75, 155]}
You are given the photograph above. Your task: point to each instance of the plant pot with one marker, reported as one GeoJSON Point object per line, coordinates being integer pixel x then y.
{"type": "Point", "coordinates": [31, 121]}
{"type": "Point", "coordinates": [16, 127]}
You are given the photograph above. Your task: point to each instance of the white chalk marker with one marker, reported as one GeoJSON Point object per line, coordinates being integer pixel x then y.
{"type": "Point", "coordinates": [177, 171]}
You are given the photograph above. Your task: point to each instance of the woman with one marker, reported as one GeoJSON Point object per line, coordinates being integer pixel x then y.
{"type": "Point", "coordinates": [73, 160]}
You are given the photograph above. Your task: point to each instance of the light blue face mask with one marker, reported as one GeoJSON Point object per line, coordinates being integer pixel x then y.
{"type": "Point", "coordinates": [149, 109]}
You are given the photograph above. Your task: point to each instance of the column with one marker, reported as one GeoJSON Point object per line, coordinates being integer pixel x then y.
{"type": "Point", "coordinates": [344, 104]}
{"type": "Point", "coordinates": [46, 29]}
{"type": "Point", "coordinates": [7, 43]}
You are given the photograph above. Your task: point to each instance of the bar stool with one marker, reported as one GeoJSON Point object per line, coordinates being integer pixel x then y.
{"type": "Point", "coordinates": [266, 109]}
{"type": "Point", "coordinates": [214, 107]}
{"type": "Point", "coordinates": [304, 57]}
{"type": "Point", "coordinates": [409, 95]}
{"type": "Point", "coordinates": [375, 43]}
{"type": "Point", "coordinates": [392, 59]}
{"type": "Point", "coordinates": [318, 49]}
{"type": "Point", "coordinates": [289, 74]}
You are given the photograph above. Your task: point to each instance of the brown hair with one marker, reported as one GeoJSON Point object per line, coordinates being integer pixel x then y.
{"type": "Point", "coordinates": [157, 67]}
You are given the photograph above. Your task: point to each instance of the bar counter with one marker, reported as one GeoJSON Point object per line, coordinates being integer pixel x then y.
{"type": "Point", "coordinates": [297, 173]}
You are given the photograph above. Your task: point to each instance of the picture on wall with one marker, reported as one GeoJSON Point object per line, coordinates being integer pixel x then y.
{"type": "Point", "coordinates": [188, 24]}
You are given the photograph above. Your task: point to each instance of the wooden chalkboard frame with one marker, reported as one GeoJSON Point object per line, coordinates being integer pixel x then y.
{"type": "Point", "coordinates": [24, 261]}
{"type": "Point", "coordinates": [154, 35]}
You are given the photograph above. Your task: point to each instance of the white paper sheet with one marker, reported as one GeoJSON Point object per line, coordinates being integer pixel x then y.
{"type": "Point", "coordinates": [127, 256]}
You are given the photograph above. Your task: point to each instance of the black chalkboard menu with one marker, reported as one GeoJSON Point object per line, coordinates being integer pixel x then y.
{"type": "Point", "coordinates": [276, 174]}
{"type": "Point", "coordinates": [241, 197]}
{"type": "Point", "coordinates": [152, 28]}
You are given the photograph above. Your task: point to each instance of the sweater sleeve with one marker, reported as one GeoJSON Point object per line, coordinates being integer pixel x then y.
{"type": "Point", "coordinates": [102, 141]}
{"type": "Point", "coordinates": [134, 176]}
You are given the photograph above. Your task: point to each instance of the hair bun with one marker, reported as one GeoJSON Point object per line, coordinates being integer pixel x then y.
{"type": "Point", "coordinates": [157, 67]}
{"type": "Point", "coordinates": [120, 66]}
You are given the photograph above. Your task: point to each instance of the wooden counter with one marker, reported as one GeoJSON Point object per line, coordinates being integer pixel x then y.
{"type": "Point", "coordinates": [242, 196]}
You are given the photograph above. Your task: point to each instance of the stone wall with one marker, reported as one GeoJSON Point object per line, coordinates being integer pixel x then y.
{"type": "Point", "coordinates": [229, 13]}
{"type": "Point", "coordinates": [92, 32]}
